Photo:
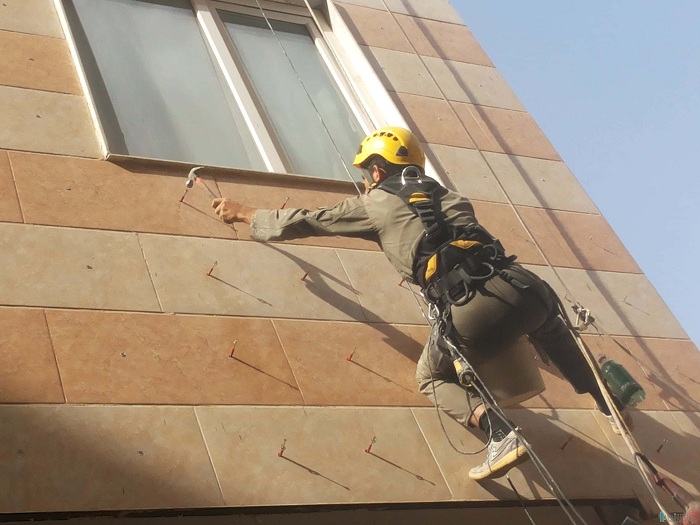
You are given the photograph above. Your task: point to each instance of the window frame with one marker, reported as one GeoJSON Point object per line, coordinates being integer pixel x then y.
{"type": "Point", "coordinates": [229, 66]}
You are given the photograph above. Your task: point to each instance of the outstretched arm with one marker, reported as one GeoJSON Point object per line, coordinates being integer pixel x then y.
{"type": "Point", "coordinates": [348, 217]}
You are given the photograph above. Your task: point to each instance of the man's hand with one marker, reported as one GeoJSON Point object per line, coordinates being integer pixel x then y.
{"type": "Point", "coordinates": [230, 211]}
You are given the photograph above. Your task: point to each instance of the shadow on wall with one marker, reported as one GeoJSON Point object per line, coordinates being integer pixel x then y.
{"type": "Point", "coordinates": [393, 337]}
{"type": "Point", "coordinates": [91, 459]}
{"type": "Point", "coordinates": [662, 377]}
{"type": "Point", "coordinates": [100, 458]}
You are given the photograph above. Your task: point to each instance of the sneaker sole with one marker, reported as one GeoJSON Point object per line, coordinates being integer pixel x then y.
{"type": "Point", "coordinates": [501, 468]}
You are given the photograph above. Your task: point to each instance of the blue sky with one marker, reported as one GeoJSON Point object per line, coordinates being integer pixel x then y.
{"type": "Point", "coordinates": [615, 86]}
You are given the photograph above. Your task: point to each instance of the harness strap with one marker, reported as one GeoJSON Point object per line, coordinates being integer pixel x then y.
{"type": "Point", "coordinates": [451, 263]}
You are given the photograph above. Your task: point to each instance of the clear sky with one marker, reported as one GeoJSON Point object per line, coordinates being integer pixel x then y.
{"type": "Point", "coordinates": [615, 86]}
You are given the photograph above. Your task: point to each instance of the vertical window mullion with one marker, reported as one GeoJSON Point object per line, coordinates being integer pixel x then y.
{"type": "Point", "coordinates": [224, 53]}
{"type": "Point", "coordinates": [340, 80]}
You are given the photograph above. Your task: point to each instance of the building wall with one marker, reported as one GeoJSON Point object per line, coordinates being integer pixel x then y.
{"type": "Point", "coordinates": [117, 384]}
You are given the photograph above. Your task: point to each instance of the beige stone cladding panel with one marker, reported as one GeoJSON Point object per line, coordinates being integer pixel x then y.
{"type": "Point", "coordinates": [374, 27]}
{"type": "Point", "coordinates": [249, 279]}
{"type": "Point", "coordinates": [502, 222]}
{"type": "Point", "coordinates": [402, 72]}
{"type": "Point", "coordinates": [384, 298]}
{"type": "Point", "coordinates": [127, 358]}
{"type": "Point", "coordinates": [324, 460]}
{"type": "Point", "coordinates": [433, 38]}
{"type": "Point", "coordinates": [145, 197]}
{"type": "Point", "coordinates": [10, 210]}
{"type": "Point", "coordinates": [28, 372]}
{"type": "Point", "coordinates": [46, 122]}
{"type": "Point", "coordinates": [539, 183]}
{"type": "Point", "coordinates": [348, 364]}
{"type": "Point", "coordinates": [578, 240]}
{"type": "Point", "coordinates": [36, 17]}
{"type": "Point", "coordinates": [86, 193]}
{"type": "Point", "coordinates": [37, 62]}
{"type": "Point", "coordinates": [467, 172]}
{"type": "Point", "coordinates": [439, 10]}
{"type": "Point", "coordinates": [481, 85]}
{"type": "Point", "coordinates": [504, 131]}
{"type": "Point", "coordinates": [61, 267]}
{"type": "Point", "coordinates": [671, 441]}
{"type": "Point", "coordinates": [100, 458]}
{"type": "Point", "coordinates": [433, 120]}
{"type": "Point", "coordinates": [374, 4]}
{"type": "Point", "coordinates": [586, 466]}
{"type": "Point", "coordinates": [621, 303]}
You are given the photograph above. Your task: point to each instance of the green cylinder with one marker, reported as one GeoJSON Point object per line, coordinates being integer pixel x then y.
{"type": "Point", "coordinates": [621, 382]}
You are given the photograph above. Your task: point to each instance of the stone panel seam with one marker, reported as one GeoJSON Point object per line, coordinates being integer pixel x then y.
{"type": "Point", "coordinates": [148, 270]}
{"type": "Point", "coordinates": [444, 478]}
{"type": "Point", "coordinates": [448, 100]}
{"type": "Point", "coordinates": [224, 316]}
{"type": "Point", "coordinates": [286, 356]}
{"type": "Point", "coordinates": [575, 212]}
{"type": "Point", "coordinates": [51, 92]}
{"type": "Point", "coordinates": [352, 286]}
{"type": "Point", "coordinates": [157, 233]}
{"type": "Point", "coordinates": [55, 357]}
{"type": "Point", "coordinates": [405, 14]}
{"type": "Point", "coordinates": [14, 181]}
{"type": "Point", "coordinates": [33, 34]}
{"type": "Point", "coordinates": [211, 461]}
{"type": "Point", "coordinates": [445, 97]}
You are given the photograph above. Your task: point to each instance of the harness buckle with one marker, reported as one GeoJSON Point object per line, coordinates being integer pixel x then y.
{"type": "Point", "coordinates": [408, 170]}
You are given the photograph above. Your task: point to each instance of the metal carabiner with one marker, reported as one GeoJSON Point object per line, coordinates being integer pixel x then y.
{"type": "Point", "coordinates": [409, 169]}
{"type": "Point", "coordinates": [492, 272]}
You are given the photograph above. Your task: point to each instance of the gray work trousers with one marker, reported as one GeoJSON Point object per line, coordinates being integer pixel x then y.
{"type": "Point", "coordinates": [498, 315]}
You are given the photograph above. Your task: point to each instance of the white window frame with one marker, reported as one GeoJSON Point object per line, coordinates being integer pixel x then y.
{"type": "Point", "coordinates": [355, 78]}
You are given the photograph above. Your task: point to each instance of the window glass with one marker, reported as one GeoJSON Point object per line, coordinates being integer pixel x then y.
{"type": "Point", "coordinates": [155, 85]}
{"type": "Point", "coordinates": [306, 143]}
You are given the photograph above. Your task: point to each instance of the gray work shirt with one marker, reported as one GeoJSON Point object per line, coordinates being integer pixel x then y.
{"type": "Point", "coordinates": [378, 216]}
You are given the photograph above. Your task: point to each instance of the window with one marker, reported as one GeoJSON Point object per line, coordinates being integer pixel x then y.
{"type": "Point", "coordinates": [217, 83]}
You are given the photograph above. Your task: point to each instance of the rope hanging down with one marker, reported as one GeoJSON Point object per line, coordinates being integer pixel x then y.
{"type": "Point", "coordinates": [566, 505]}
{"type": "Point", "coordinates": [306, 91]}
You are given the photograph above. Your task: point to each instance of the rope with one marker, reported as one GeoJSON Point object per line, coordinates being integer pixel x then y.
{"type": "Point", "coordinates": [490, 403]}
{"type": "Point", "coordinates": [306, 91]}
{"type": "Point", "coordinates": [522, 503]}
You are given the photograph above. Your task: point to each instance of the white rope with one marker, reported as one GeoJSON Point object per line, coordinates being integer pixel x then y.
{"type": "Point", "coordinates": [306, 91]}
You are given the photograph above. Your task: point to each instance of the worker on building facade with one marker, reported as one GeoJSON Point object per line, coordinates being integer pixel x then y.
{"type": "Point", "coordinates": [483, 300]}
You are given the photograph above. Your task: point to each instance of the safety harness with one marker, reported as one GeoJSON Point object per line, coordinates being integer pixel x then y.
{"type": "Point", "coordinates": [452, 262]}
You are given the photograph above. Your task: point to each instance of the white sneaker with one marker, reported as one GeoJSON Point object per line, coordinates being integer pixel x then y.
{"type": "Point", "coordinates": [626, 418]}
{"type": "Point", "coordinates": [501, 456]}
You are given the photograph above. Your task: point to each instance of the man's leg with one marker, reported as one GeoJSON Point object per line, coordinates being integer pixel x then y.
{"type": "Point", "coordinates": [437, 379]}
{"type": "Point", "coordinates": [556, 341]}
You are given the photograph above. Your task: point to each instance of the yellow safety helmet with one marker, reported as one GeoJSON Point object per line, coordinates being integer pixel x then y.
{"type": "Point", "coordinates": [394, 144]}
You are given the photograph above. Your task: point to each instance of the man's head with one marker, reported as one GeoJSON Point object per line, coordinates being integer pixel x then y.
{"type": "Point", "coordinates": [386, 152]}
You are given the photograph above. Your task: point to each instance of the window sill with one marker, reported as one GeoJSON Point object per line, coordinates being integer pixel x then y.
{"type": "Point", "coordinates": [280, 180]}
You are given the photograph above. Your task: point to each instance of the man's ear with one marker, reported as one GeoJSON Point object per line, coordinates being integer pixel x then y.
{"type": "Point", "coordinates": [378, 174]}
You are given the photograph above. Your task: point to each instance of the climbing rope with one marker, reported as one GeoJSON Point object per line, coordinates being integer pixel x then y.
{"type": "Point", "coordinates": [306, 91]}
